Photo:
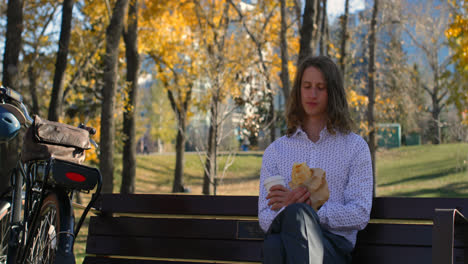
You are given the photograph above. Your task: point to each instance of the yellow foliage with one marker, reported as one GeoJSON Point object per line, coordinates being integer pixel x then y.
{"type": "Point", "coordinates": [357, 101]}
{"type": "Point", "coordinates": [457, 33]}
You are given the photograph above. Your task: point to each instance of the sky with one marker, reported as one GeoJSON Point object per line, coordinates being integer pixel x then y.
{"type": "Point", "coordinates": [336, 7]}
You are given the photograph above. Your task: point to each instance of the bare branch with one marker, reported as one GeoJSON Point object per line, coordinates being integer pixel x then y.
{"type": "Point", "coordinates": [427, 89]}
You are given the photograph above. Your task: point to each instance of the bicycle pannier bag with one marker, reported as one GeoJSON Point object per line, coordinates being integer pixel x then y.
{"type": "Point", "coordinates": [45, 139]}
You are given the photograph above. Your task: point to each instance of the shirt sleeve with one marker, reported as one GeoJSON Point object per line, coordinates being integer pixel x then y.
{"type": "Point", "coordinates": [354, 212]}
{"type": "Point", "coordinates": [269, 168]}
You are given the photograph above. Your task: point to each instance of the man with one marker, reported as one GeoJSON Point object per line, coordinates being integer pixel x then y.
{"type": "Point", "coordinates": [319, 133]}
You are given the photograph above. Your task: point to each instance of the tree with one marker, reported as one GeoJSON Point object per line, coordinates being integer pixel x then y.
{"type": "Point", "coordinates": [61, 64]}
{"type": "Point", "coordinates": [457, 35]}
{"type": "Point", "coordinates": [258, 34]}
{"type": "Point", "coordinates": [344, 38]}
{"type": "Point", "coordinates": [113, 33]}
{"type": "Point", "coordinates": [399, 94]}
{"type": "Point", "coordinates": [215, 45]}
{"type": "Point", "coordinates": [457, 32]}
{"type": "Point", "coordinates": [307, 29]}
{"type": "Point", "coordinates": [37, 62]}
{"type": "Point", "coordinates": [285, 80]}
{"type": "Point", "coordinates": [168, 36]}
{"type": "Point", "coordinates": [371, 89]}
{"type": "Point", "coordinates": [425, 27]}
{"type": "Point", "coordinates": [324, 38]}
{"type": "Point", "coordinates": [159, 116]}
{"type": "Point", "coordinates": [222, 66]}
{"type": "Point", "coordinates": [130, 35]}
{"type": "Point", "coordinates": [82, 93]}
{"type": "Point", "coordinates": [9, 151]}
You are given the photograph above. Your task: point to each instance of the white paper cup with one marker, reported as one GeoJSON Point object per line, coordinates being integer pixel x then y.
{"type": "Point", "coordinates": [273, 180]}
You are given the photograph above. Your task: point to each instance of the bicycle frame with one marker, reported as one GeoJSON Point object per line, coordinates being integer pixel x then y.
{"type": "Point", "coordinates": [35, 190]}
{"type": "Point", "coordinates": [35, 176]}
{"type": "Point", "coordinates": [32, 182]}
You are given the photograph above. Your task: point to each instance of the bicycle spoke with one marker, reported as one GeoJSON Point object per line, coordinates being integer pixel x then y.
{"type": "Point", "coordinates": [4, 236]}
{"type": "Point", "coordinates": [45, 241]}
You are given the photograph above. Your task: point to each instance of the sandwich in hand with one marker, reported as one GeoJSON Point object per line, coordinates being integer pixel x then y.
{"type": "Point", "coordinates": [314, 180]}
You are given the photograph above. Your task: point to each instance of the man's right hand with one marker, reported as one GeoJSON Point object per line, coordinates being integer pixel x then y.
{"type": "Point", "coordinates": [280, 196]}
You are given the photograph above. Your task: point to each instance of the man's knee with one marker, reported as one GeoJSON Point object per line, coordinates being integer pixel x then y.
{"type": "Point", "coordinates": [298, 209]}
{"type": "Point", "coordinates": [297, 215]}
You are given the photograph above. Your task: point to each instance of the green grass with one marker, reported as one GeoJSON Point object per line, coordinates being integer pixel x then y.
{"type": "Point", "coordinates": [416, 171]}
{"type": "Point", "coordinates": [155, 174]}
{"type": "Point", "coordinates": [423, 171]}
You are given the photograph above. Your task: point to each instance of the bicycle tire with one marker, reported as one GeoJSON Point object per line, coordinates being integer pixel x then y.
{"type": "Point", "coordinates": [47, 244]}
{"type": "Point", "coordinates": [5, 211]}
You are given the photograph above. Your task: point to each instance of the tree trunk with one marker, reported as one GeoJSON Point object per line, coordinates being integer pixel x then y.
{"type": "Point", "coordinates": [307, 28]}
{"type": "Point", "coordinates": [317, 25]}
{"type": "Point", "coordinates": [133, 62]}
{"type": "Point", "coordinates": [344, 38]}
{"type": "Point", "coordinates": [106, 156]}
{"type": "Point", "coordinates": [61, 63]}
{"type": "Point", "coordinates": [209, 177]}
{"type": "Point", "coordinates": [12, 43]}
{"type": "Point", "coordinates": [284, 53]}
{"type": "Point", "coordinates": [323, 41]}
{"type": "Point", "coordinates": [32, 76]}
{"type": "Point", "coordinates": [435, 122]}
{"type": "Point", "coordinates": [272, 116]}
{"type": "Point", "coordinates": [298, 11]}
{"type": "Point", "coordinates": [180, 111]}
{"type": "Point", "coordinates": [178, 185]}
{"type": "Point", "coordinates": [327, 35]}
{"type": "Point", "coordinates": [9, 151]}
{"type": "Point", "coordinates": [371, 92]}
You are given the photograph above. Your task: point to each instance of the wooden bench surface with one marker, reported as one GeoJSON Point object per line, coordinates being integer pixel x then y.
{"type": "Point", "coordinates": [144, 229]}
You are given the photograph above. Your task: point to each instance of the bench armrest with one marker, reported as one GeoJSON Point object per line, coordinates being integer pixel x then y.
{"type": "Point", "coordinates": [443, 234]}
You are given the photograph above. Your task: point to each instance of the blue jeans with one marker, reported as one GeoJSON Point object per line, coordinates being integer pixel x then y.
{"type": "Point", "coordinates": [296, 237]}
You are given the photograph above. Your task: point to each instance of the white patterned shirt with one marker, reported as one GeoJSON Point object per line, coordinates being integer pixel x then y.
{"type": "Point", "coordinates": [348, 167]}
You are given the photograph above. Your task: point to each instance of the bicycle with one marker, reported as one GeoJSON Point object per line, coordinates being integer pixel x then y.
{"type": "Point", "coordinates": [37, 223]}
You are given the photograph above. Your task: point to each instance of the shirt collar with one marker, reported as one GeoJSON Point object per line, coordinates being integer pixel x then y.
{"type": "Point", "coordinates": [301, 133]}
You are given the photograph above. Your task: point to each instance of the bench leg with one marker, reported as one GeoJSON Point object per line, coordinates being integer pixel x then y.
{"type": "Point", "coordinates": [443, 236]}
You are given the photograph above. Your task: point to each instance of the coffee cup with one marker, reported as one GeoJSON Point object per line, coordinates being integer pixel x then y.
{"type": "Point", "coordinates": [273, 180]}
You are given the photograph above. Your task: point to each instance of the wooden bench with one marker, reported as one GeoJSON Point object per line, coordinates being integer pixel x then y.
{"type": "Point", "coordinates": [183, 229]}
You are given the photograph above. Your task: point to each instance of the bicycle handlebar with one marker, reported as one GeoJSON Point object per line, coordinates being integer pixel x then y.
{"type": "Point", "coordinates": [8, 95]}
{"type": "Point", "coordinates": [91, 130]}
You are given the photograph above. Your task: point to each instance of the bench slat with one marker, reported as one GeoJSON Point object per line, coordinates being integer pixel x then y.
{"type": "Point", "coordinates": [228, 250]}
{"type": "Point", "coordinates": [392, 255]}
{"type": "Point", "coordinates": [414, 208]}
{"type": "Point", "coordinates": [396, 234]}
{"type": "Point", "coordinates": [383, 207]}
{"type": "Point", "coordinates": [371, 254]}
{"type": "Point", "coordinates": [391, 234]}
{"type": "Point", "coordinates": [104, 260]}
{"type": "Point", "coordinates": [178, 204]}
{"type": "Point", "coordinates": [175, 228]}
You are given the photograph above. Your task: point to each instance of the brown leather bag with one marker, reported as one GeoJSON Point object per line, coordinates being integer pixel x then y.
{"type": "Point", "coordinates": [45, 139]}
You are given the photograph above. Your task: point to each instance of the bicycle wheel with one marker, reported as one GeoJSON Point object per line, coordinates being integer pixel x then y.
{"type": "Point", "coordinates": [44, 243]}
{"type": "Point", "coordinates": [5, 210]}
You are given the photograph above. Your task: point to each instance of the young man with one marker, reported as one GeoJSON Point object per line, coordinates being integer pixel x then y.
{"type": "Point", "coordinates": [319, 133]}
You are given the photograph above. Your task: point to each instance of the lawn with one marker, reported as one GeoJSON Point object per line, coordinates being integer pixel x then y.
{"type": "Point", "coordinates": [423, 171]}
{"type": "Point", "coordinates": [415, 171]}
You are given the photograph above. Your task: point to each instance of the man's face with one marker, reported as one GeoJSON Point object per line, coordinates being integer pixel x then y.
{"type": "Point", "coordinates": [314, 95]}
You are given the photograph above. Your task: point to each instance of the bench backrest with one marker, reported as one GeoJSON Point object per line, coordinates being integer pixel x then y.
{"type": "Point", "coordinates": [158, 228]}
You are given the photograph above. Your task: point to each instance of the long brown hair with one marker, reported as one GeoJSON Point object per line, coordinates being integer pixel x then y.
{"type": "Point", "coordinates": [339, 118]}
